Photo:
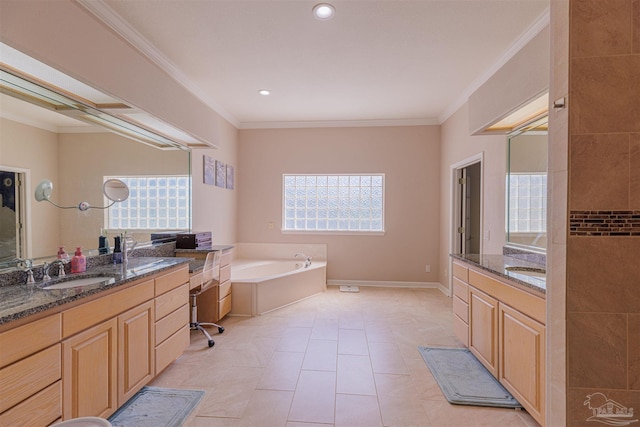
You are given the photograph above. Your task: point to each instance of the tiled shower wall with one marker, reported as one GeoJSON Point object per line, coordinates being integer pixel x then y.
{"type": "Point", "coordinates": [603, 267]}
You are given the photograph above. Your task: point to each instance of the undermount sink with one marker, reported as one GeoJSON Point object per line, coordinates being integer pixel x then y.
{"type": "Point", "coordinates": [83, 281]}
{"type": "Point", "coordinates": [528, 271]}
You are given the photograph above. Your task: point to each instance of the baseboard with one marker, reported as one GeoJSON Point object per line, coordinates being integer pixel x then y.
{"type": "Point", "coordinates": [389, 284]}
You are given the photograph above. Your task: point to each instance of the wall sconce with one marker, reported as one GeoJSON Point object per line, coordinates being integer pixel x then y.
{"type": "Point", "coordinates": [113, 189]}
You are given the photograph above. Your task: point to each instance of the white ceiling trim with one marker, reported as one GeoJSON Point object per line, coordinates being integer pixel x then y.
{"type": "Point", "coordinates": [338, 124]}
{"type": "Point", "coordinates": [535, 28]}
{"type": "Point", "coordinates": [103, 12]}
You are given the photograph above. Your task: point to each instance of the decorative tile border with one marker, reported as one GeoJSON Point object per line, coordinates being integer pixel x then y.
{"type": "Point", "coordinates": [604, 223]}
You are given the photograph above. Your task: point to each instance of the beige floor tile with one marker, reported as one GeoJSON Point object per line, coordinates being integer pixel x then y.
{"type": "Point", "coordinates": [352, 341]}
{"type": "Point", "coordinates": [400, 401]}
{"type": "Point", "coordinates": [355, 375]}
{"type": "Point", "coordinates": [325, 329]}
{"type": "Point", "coordinates": [332, 343]}
{"type": "Point", "coordinates": [314, 398]}
{"type": "Point", "coordinates": [386, 358]}
{"type": "Point", "coordinates": [213, 422]}
{"type": "Point", "coordinates": [357, 411]}
{"type": "Point", "coordinates": [282, 372]}
{"type": "Point", "coordinates": [294, 339]}
{"type": "Point", "coordinates": [321, 355]}
{"type": "Point", "coordinates": [267, 408]}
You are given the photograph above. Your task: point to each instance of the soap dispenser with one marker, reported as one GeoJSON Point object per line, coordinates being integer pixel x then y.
{"type": "Point", "coordinates": [117, 250]}
{"type": "Point", "coordinates": [62, 254]}
{"type": "Point", "coordinates": [78, 262]}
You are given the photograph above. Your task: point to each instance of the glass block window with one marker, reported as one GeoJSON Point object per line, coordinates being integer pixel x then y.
{"type": "Point", "coordinates": [155, 202]}
{"type": "Point", "coordinates": [340, 203]}
{"type": "Point", "coordinates": [527, 203]}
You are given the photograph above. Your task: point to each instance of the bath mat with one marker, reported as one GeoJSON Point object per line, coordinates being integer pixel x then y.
{"type": "Point", "coordinates": [464, 380]}
{"type": "Point", "coordinates": [157, 407]}
{"type": "Point", "coordinates": [349, 288]}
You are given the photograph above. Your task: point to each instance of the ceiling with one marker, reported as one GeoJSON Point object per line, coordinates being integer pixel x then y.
{"type": "Point", "coordinates": [375, 61]}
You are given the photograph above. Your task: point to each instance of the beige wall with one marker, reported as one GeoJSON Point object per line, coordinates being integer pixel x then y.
{"type": "Point", "coordinates": [35, 150]}
{"type": "Point", "coordinates": [458, 145]}
{"type": "Point", "coordinates": [215, 208]}
{"type": "Point", "coordinates": [409, 157]}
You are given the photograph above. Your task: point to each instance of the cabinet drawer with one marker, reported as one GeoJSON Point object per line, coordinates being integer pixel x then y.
{"type": "Point", "coordinates": [86, 315]}
{"type": "Point", "coordinates": [461, 272]}
{"type": "Point", "coordinates": [29, 376]}
{"type": "Point", "coordinates": [171, 348]}
{"type": "Point", "coordinates": [195, 280]}
{"type": "Point", "coordinates": [225, 257]}
{"type": "Point", "coordinates": [461, 329]}
{"type": "Point", "coordinates": [41, 409]}
{"type": "Point", "coordinates": [171, 301]}
{"type": "Point", "coordinates": [172, 280]}
{"type": "Point", "coordinates": [225, 273]}
{"type": "Point", "coordinates": [461, 309]}
{"type": "Point", "coordinates": [224, 306]}
{"type": "Point", "coordinates": [461, 290]}
{"type": "Point", "coordinates": [224, 289]}
{"type": "Point", "coordinates": [171, 323]}
{"type": "Point", "coordinates": [30, 338]}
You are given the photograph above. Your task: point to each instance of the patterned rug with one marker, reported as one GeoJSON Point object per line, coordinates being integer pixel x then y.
{"type": "Point", "coordinates": [464, 380]}
{"type": "Point", "coordinates": [157, 407]}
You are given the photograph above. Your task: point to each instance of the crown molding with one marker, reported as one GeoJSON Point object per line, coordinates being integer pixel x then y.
{"type": "Point", "coordinates": [338, 124]}
{"type": "Point", "coordinates": [534, 29]}
{"type": "Point", "coordinates": [109, 17]}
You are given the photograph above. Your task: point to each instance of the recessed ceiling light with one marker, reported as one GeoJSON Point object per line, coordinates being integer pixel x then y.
{"type": "Point", "coordinates": [264, 92]}
{"type": "Point", "coordinates": [323, 11]}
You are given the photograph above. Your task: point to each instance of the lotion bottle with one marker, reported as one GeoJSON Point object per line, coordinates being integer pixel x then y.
{"type": "Point", "coordinates": [117, 250]}
{"type": "Point", "coordinates": [78, 262]}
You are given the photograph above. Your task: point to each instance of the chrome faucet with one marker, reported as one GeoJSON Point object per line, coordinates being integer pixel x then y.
{"type": "Point", "coordinates": [126, 238]}
{"type": "Point", "coordinates": [307, 261]}
{"type": "Point", "coordinates": [27, 266]}
{"type": "Point", "coordinates": [61, 272]}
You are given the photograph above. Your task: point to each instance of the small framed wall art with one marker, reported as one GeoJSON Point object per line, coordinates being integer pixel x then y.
{"type": "Point", "coordinates": [221, 174]}
{"type": "Point", "coordinates": [230, 177]}
{"type": "Point", "coordinates": [209, 172]}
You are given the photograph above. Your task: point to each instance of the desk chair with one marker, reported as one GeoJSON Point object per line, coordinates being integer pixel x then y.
{"type": "Point", "coordinates": [210, 278]}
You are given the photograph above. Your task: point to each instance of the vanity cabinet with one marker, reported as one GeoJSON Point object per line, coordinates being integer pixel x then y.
{"type": "Point", "coordinates": [89, 359]}
{"type": "Point", "coordinates": [171, 317]}
{"type": "Point", "coordinates": [214, 303]}
{"type": "Point", "coordinates": [505, 329]}
{"type": "Point", "coordinates": [108, 362]}
{"type": "Point", "coordinates": [31, 373]}
{"type": "Point", "coordinates": [483, 329]}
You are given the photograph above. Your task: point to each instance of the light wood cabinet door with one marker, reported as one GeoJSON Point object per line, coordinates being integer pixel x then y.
{"type": "Point", "coordinates": [522, 353]}
{"type": "Point", "coordinates": [136, 341]}
{"type": "Point", "coordinates": [483, 329]}
{"type": "Point", "coordinates": [89, 380]}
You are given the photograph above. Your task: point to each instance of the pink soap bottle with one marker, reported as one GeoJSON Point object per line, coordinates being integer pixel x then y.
{"type": "Point", "coordinates": [78, 262]}
{"type": "Point", "coordinates": [62, 254]}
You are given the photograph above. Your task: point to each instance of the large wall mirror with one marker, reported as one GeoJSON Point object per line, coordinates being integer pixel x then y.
{"type": "Point", "coordinates": [527, 187]}
{"type": "Point", "coordinates": [37, 143]}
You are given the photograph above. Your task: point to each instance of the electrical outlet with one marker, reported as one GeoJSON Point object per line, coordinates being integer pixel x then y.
{"type": "Point", "coordinates": [428, 268]}
{"type": "Point", "coordinates": [270, 225]}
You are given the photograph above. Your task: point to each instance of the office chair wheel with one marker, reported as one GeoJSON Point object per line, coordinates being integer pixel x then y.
{"type": "Point", "coordinates": [211, 343]}
{"type": "Point", "coordinates": [220, 329]}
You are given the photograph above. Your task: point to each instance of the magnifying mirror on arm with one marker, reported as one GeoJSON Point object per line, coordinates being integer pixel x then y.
{"type": "Point", "coordinates": [113, 189]}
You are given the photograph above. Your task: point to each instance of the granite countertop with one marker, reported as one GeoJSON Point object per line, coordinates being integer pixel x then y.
{"type": "Point", "coordinates": [196, 265]}
{"type": "Point", "coordinates": [22, 300]}
{"type": "Point", "coordinates": [498, 264]}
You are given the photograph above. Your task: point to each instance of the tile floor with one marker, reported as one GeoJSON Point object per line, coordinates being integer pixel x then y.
{"type": "Point", "coordinates": [335, 359]}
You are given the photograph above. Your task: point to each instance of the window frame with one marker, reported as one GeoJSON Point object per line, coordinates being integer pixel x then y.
{"type": "Point", "coordinates": [285, 230]}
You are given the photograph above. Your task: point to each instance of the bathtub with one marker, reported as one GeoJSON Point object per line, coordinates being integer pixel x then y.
{"type": "Point", "coordinates": [261, 286]}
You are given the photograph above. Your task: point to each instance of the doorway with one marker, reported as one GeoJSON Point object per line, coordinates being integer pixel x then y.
{"type": "Point", "coordinates": [466, 207]}
{"type": "Point", "coordinates": [12, 215]}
